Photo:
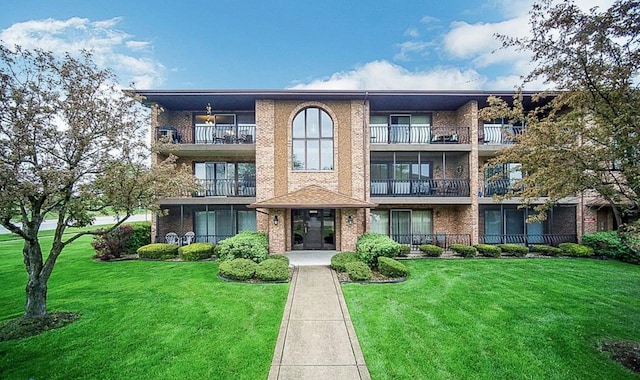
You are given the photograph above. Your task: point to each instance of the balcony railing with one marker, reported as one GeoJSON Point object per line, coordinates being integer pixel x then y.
{"type": "Point", "coordinates": [500, 134]}
{"type": "Point", "coordinates": [420, 188]}
{"type": "Point", "coordinates": [420, 134]}
{"type": "Point", "coordinates": [499, 187]}
{"type": "Point", "coordinates": [227, 188]}
{"type": "Point", "coordinates": [529, 239]}
{"type": "Point", "coordinates": [183, 240]}
{"type": "Point", "coordinates": [440, 239]}
{"type": "Point", "coordinates": [208, 134]}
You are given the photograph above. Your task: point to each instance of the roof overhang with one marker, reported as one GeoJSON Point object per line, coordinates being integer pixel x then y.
{"type": "Point", "coordinates": [312, 197]}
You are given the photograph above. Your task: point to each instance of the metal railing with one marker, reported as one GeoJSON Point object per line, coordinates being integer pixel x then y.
{"type": "Point", "coordinates": [500, 134]}
{"type": "Point", "coordinates": [207, 134]}
{"type": "Point", "coordinates": [183, 240]}
{"type": "Point", "coordinates": [227, 187]}
{"type": "Point", "coordinates": [421, 188]}
{"type": "Point", "coordinates": [440, 239]}
{"type": "Point", "coordinates": [528, 239]}
{"type": "Point", "coordinates": [499, 187]}
{"type": "Point", "coordinates": [418, 134]}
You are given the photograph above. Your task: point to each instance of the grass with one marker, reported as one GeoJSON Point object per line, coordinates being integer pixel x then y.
{"type": "Point", "coordinates": [140, 319]}
{"type": "Point", "coordinates": [498, 319]}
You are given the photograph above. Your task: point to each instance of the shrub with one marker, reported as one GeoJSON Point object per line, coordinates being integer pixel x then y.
{"type": "Point", "coordinates": [358, 271]}
{"type": "Point", "coordinates": [404, 250]}
{"type": "Point", "coordinates": [237, 269]}
{"type": "Point", "coordinates": [338, 261]}
{"type": "Point", "coordinates": [372, 245]}
{"type": "Point", "coordinates": [431, 250]}
{"type": "Point", "coordinates": [463, 250]}
{"type": "Point", "coordinates": [158, 251]}
{"type": "Point", "coordinates": [112, 245]}
{"type": "Point", "coordinates": [576, 250]}
{"type": "Point", "coordinates": [607, 243]}
{"type": "Point", "coordinates": [250, 245]}
{"type": "Point", "coordinates": [140, 235]}
{"type": "Point", "coordinates": [272, 270]}
{"type": "Point", "coordinates": [546, 250]}
{"type": "Point", "coordinates": [514, 249]}
{"type": "Point", "coordinates": [488, 250]}
{"type": "Point", "coordinates": [279, 257]}
{"type": "Point", "coordinates": [389, 267]}
{"type": "Point", "coordinates": [196, 251]}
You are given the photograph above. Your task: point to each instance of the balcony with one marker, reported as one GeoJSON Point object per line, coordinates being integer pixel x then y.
{"type": "Point", "coordinates": [500, 134]}
{"type": "Point", "coordinates": [499, 187]}
{"type": "Point", "coordinates": [420, 188]}
{"type": "Point", "coordinates": [207, 134]}
{"type": "Point", "coordinates": [528, 239]}
{"type": "Point", "coordinates": [227, 188]}
{"type": "Point", "coordinates": [440, 239]}
{"type": "Point", "coordinates": [412, 134]}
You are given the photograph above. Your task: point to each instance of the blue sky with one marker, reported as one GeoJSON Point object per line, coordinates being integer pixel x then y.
{"type": "Point", "coordinates": [331, 44]}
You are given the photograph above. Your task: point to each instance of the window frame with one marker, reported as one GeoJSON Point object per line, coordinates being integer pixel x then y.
{"type": "Point", "coordinates": [311, 141]}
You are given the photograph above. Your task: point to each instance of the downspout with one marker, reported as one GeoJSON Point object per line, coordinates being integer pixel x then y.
{"type": "Point", "coordinates": [365, 154]}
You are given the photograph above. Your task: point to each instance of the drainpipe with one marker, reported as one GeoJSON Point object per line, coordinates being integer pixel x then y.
{"type": "Point", "coordinates": [365, 154]}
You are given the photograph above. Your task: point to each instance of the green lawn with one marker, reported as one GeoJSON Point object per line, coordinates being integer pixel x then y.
{"type": "Point", "coordinates": [141, 320]}
{"type": "Point", "coordinates": [498, 319]}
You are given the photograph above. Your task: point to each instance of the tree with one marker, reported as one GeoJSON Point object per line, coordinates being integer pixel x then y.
{"type": "Point", "coordinates": [71, 145]}
{"type": "Point", "coordinates": [584, 137]}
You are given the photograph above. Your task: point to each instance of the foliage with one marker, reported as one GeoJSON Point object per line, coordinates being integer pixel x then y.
{"type": "Point", "coordinates": [546, 250]}
{"type": "Point", "coordinates": [358, 271]}
{"type": "Point", "coordinates": [575, 250]}
{"type": "Point", "coordinates": [431, 250]}
{"type": "Point", "coordinates": [237, 269]}
{"type": "Point", "coordinates": [339, 260]}
{"type": "Point", "coordinates": [371, 245]}
{"type": "Point", "coordinates": [279, 257]}
{"type": "Point", "coordinates": [112, 244]}
{"type": "Point", "coordinates": [606, 243]}
{"type": "Point", "coordinates": [140, 235]}
{"type": "Point", "coordinates": [246, 245]}
{"type": "Point", "coordinates": [404, 251]}
{"type": "Point", "coordinates": [585, 138]}
{"type": "Point", "coordinates": [272, 270]}
{"type": "Point", "coordinates": [514, 249]}
{"type": "Point", "coordinates": [630, 236]}
{"type": "Point", "coordinates": [71, 143]}
{"type": "Point", "coordinates": [463, 250]}
{"type": "Point", "coordinates": [195, 251]}
{"type": "Point", "coordinates": [488, 250]}
{"type": "Point", "coordinates": [157, 251]}
{"type": "Point", "coordinates": [389, 267]}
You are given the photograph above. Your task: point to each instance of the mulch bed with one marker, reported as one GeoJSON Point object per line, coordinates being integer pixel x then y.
{"type": "Point", "coordinates": [19, 328]}
{"type": "Point", "coordinates": [625, 353]}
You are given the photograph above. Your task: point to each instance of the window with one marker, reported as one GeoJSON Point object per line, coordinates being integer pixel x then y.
{"type": "Point", "coordinates": [227, 179]}
{"type": "Point", "coordinates": [215, 225]}
{"type": "Point", "coordinates": [312, 140]}
{"type": "Point", "coordinates": [400, 128]}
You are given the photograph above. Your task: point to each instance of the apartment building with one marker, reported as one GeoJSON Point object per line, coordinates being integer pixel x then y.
{"type": "Point", "coordinates": [316, 169]}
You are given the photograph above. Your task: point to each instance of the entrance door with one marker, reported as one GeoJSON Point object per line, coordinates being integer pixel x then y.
{"type": "Point", "coordinates": [313, 229]}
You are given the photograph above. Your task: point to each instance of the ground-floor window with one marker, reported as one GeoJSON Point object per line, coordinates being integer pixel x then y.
{"type": "Point", "coordinates": [217, 224]}
{"type": "Point", "coordinates": [404, 226]}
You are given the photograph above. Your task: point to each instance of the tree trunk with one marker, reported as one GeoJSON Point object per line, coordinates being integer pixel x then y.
{"type": "Point", "coordinates": [36, 305]}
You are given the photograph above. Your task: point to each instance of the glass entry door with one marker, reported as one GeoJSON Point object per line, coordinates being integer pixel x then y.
{"type": "Point", "coordinates": [313, 229]}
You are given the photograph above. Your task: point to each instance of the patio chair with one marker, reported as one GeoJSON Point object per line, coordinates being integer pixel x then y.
{"type": "Point", "coordinates": [189, 238]}
{"type": "Point", "coordinates": [172, 238]}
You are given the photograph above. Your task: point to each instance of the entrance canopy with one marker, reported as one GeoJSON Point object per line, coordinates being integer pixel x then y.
{"type": "Point", "coordinates": [313, 197]}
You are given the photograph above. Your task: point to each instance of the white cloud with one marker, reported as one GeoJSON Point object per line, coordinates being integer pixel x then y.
{"type": "Point", "coordinates": [383, 75]}
{"type": "Point", "coordinates": [410, 47]}
{"type": "Point", "coordinates": [412, 32]}
{"type": "Point", "coordinates": [111, 47]}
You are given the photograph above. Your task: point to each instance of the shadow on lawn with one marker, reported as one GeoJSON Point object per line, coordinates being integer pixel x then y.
{"type": "Point", "coordinates": [21, 327]}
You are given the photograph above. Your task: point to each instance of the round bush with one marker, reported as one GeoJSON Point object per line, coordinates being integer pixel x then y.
{"type": "Point", "coordinates": [463, 250]}
{"type": "Point", "coordinates": [488, 250]}
{"type": "Point", "coordinates": [279, 257]}
{"type": "Point", "coordinates": [339, 260]}
{"type": "Point", "coordinates": [372, 245]}
{"type": "Point", "coordinates": [431, 250]}
{"type": "Point", "coordinates": [546, 250]}
{"type": "Point", "coordinates": [358, 271]}
{"type": "Point", "coordinates": [607, 243]}
{"type": "Point", "coordinates": [272, 270]}
{"type": "Point", "coordinates": [514, 249]}
{"type": "Point", "coordinates": [246, 245]}
{"type": "Point", "coordinates": [195, 251]}
{"type": "Point", "coordinates": [389, 267]}
{"type": "Point", "coordinates": [404, 250]}
{"type": "Point", "coordinates": [158, 251]}
{"type": "Point", "coordinates": [237, 269]}
{"type": "Point", "coordinates": [576, 250]}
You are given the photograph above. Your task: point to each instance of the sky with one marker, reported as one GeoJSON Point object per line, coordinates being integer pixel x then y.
{"type": "Point", "coordinates": [286, 44]}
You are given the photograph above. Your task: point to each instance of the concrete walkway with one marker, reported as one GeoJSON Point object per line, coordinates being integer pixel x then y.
{"type": "Point", "coordinates": [317, 340]}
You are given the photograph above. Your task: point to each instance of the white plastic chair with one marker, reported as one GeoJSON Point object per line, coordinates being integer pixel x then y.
{"type": "Point", "coordinates": [189, 238]}
{"type": "Point", "coordinates": [172, 238]}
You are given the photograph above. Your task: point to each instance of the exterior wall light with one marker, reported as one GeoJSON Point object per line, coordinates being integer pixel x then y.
{"type": "Point", "coordinates": [275, 220]}
{"type": "Point", "coordinates": [350, 220]}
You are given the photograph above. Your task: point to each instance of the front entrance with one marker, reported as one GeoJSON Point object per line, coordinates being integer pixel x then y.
{"type": "Point", "coordinates": [313, 229]}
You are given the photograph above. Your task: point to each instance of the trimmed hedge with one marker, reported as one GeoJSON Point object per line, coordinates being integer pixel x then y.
{"type": "Point", "coordinates": [237, 269]}
{"type": "Point", "coordinates": [464, 250]}
{"type": "Point", "coordinates": [389, 267]}
{"type": "Point", "coordinates": [514, 249]}
{"type": "Point", "coordinates": [546, 250]}
{"type": "Point", "coordinates": [195, 251]}
{"type": "Point", "coordinates": [140, 236]}
{"type": "Point", "coordinates": [576, 250]}
{"type": "Point", "coordinates": [405, 250]}
{"type": "Point", "coordinates": [158, 251]}
{"type": "Point", "coordinates": [371, 245]}
{"type": "Point", "coordinates": [488, 250]}
{"type": "Point", "coordinates": [608, 243]}
{"type": "Point", "coordinates": [279, 257]}
{"type": "Point", "coordinates": [338, 261]}
{"type": "Point", "coordinates": [358, 271]}
{"type": "Point", "coordinates": [272, 270]}
{"type": "Point", "coordinates": [431, 250]}
{"type": "Point", "coordinates": [250, 245]}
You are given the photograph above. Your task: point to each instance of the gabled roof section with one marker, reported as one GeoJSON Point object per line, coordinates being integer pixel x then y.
{"type": "Point", "coordinates": [313, 197]}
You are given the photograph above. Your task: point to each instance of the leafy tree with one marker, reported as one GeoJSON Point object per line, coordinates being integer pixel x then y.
{"type": "Point", "coordinates": [71, 145]}
{"type": "Point", "coordinates": [584, 136]}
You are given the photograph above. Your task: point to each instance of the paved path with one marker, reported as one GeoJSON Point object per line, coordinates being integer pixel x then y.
{"type": "Point", "coordinates": [317, 340]}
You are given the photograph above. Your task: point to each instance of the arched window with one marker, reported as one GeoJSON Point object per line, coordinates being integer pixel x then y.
{"type": "Point", "coordinates": [312, 140]}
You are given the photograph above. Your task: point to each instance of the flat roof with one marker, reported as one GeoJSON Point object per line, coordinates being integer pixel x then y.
{"type": "Point", "coordinates": [379, 100]}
